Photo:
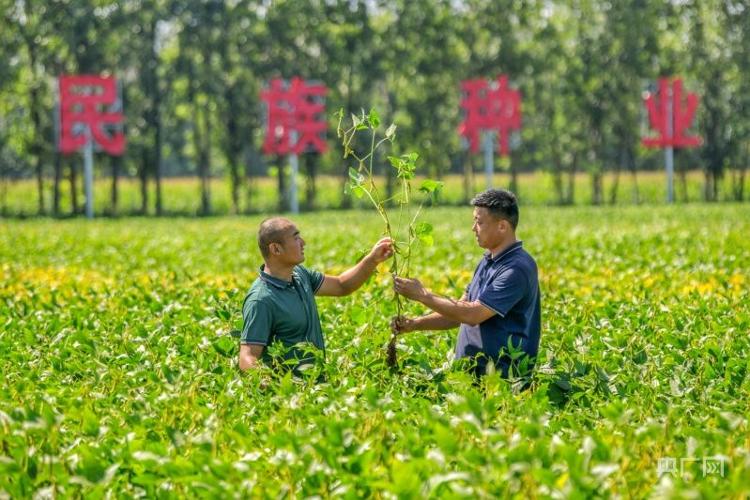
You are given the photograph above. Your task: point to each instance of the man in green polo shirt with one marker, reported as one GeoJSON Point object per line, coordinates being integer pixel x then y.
{"type": "Point", "coordinates": [280, 306]}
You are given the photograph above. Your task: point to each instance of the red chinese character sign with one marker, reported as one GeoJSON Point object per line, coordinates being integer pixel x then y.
{"type": "Point", "coordinates": [664, 108]}
{"type": "Point", "coordinates": [295, 124]}
{"type": "Point", "coordinates": [294, 117]}
{"type": "Point", "coordinates": [90, 105]}
{"type": "Point", "coordinates": [490, 106]}
{"type": "Point", "coordinates": [670, 115]}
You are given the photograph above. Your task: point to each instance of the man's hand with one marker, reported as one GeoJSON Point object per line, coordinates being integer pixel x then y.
{"type": "Point", "coordinates": [249, 356]}
{"type": "Point", "coordinates": [382, 250]}
{"type": "Point", "coordinates": [402, 324]}
{"type": "Point", "coordinates": [410, 288]}
{"type": "Point", "coordinates": [352, 279]}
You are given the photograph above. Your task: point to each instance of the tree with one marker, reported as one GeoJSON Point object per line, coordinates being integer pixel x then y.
{"type": "Point", "coordinates": [238, 48]}
{"type": "Point", "coordinates": [31, 22]}
{"type": "Point", "coordinates": [709, 60]}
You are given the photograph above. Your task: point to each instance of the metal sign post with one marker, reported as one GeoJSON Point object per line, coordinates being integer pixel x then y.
{"type": "Point", "coordinates": [489, 156]}
{"type": "Point", "coordinates": [490, 108]}
{"type": "Point", "coordinates": [670, 115]}
{"type": "Point", "coordinates": [295, 124]}
{"type": "Point", "coordinates": [669, 150]}
{"type": "Point", "coordinates": [89, 110]}
{"type": "Point", "coordinates": [88, 172]}
{"type": "Point", "coordinates": [294, 163]}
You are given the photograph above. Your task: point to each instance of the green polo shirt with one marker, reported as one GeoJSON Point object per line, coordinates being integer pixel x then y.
{"type": "Point", "coordinates": [276, 310]}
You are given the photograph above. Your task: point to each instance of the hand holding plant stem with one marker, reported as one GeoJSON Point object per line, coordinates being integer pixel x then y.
{"type": "Point", "coordinates": [362, 184]}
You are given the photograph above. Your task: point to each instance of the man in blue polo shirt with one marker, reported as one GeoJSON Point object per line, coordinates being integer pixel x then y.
{"type": "Point", "coordinates": [500, 312]}
{"type": "Point", "coordinates": [280, 306]}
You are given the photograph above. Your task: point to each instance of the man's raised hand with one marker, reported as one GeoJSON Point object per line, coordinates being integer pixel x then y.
{"type": "Point", "coordinates": [382, 250]}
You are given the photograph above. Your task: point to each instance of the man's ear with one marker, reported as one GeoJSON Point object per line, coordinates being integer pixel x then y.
{"type": "Point", "coordinates": [275, 248]}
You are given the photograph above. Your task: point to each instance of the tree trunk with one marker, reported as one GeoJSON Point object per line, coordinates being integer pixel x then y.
{"type": "Point", "coordinates": [707, 188]}
{"type": "Point", "coordinates": [616, 180]}
{"type": "Point", "coordinates": [231, 108]}
{"type": "Point", "coordinates": [634, 174]}
{"type": "Point", "coordinates": [73, 187]}
{"type": "Point", "coordinates": [116, 162]}
{"type": "Point", "coordinates": [249, 187]}
{"type": "Point", "coordinates": [557, 181]}
{"type": "Point", "coordinates": [157, 155]}
{"type": "Point", "coordinates": [143, 173]}
{"type": "Point", "coordinates": [468, 179]}
{"type": "Point", "coordinates": [205, 165]}
{"type": "Point", "coordinates": [282, 184]}
{"type": "Point", "coordinates": [202, 141]}
{"type": "Point", "coordinates": [56, 186]}
{"type": "Point", "coordinates": [596, 188]}
{"type": "Point", "coordinates": [513, 176]}
{"type": "Point", "coordinates": [233, 152]}
{"type": "Point", "coordinates": [684, 186]}
{"type": "Point", "coordinates": [40, 184]}
{"type": "Point", "coordinates": [3, 191]}
{"type": "Point", "coordinates": [235, 179]}
{"type": "Point", "coordinates": [155, 115]}
{"type": "Point", "coordinates": [201, 138]}
{"type": "Point", "coordinates": [717, 179]}
{"type": "Point", "coordinates": [557, 174]}
{"type": "Point", "coordinates": [36, 120]}
{"type": "Point", "coordinates": [739, 186]}
{"type": "Point", "coordinates": [311, 165]}
{"type": "Point", "coordinates": [572, 180]}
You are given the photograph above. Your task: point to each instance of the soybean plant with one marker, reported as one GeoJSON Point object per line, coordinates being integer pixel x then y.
{"type": "Point", "coordinates": [405, 229]}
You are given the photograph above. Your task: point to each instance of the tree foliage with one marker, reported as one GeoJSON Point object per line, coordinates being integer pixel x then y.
{"type": "Point", "coordinates": [192, 72]}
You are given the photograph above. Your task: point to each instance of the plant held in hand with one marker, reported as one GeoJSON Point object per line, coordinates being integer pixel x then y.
{"type": "Point", "coordinates": [406, 229]}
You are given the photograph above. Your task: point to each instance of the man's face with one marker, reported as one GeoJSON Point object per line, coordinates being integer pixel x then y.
{"type": "Point", "coordinates": [292, 246]}
{"type": "Point", "coordinates": [488, 230]}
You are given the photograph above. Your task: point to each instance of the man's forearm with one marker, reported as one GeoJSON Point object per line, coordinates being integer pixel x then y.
{"type": "Point", "coordinates": [353, 278]}
{"type": "Point", "coordinates": [249, 356]}
{"type": "Point", "coordinates": [458, 311]}
{"type": "Point", "coordinates": [248, 362]}
{"type": "Point", "coordinates": [434, 321]}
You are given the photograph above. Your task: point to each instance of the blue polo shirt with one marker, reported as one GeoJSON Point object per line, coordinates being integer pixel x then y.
{"type": "Point", "coordinates": [507, 284]}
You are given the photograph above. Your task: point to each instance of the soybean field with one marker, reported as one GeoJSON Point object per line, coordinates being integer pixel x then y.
{"type": "Point", "coordinates": [120, 377]}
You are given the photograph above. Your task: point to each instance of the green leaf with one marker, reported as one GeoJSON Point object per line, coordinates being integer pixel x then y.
{"type": "Point", "coordinates": [222, 314]}
{"type": "Point", "coordinates": [373, 118]}
{"type": "Point", "coordinates": [431, 187]}
{"type": "Point", "coordinates": [405, 165]}
{"type": "Point", "coordinates": [225, 345]}
{"type": "Point", "coordinates": [423, 230]}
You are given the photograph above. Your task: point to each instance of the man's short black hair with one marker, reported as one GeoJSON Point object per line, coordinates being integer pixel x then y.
{"type": "Point", "coordinates": [501, 203]}
{"type": "Point", "coordinates": [271, 230]}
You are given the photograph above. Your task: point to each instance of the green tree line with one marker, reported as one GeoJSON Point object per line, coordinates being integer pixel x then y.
{"type": "Point", "coordinates": [192, 71]}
